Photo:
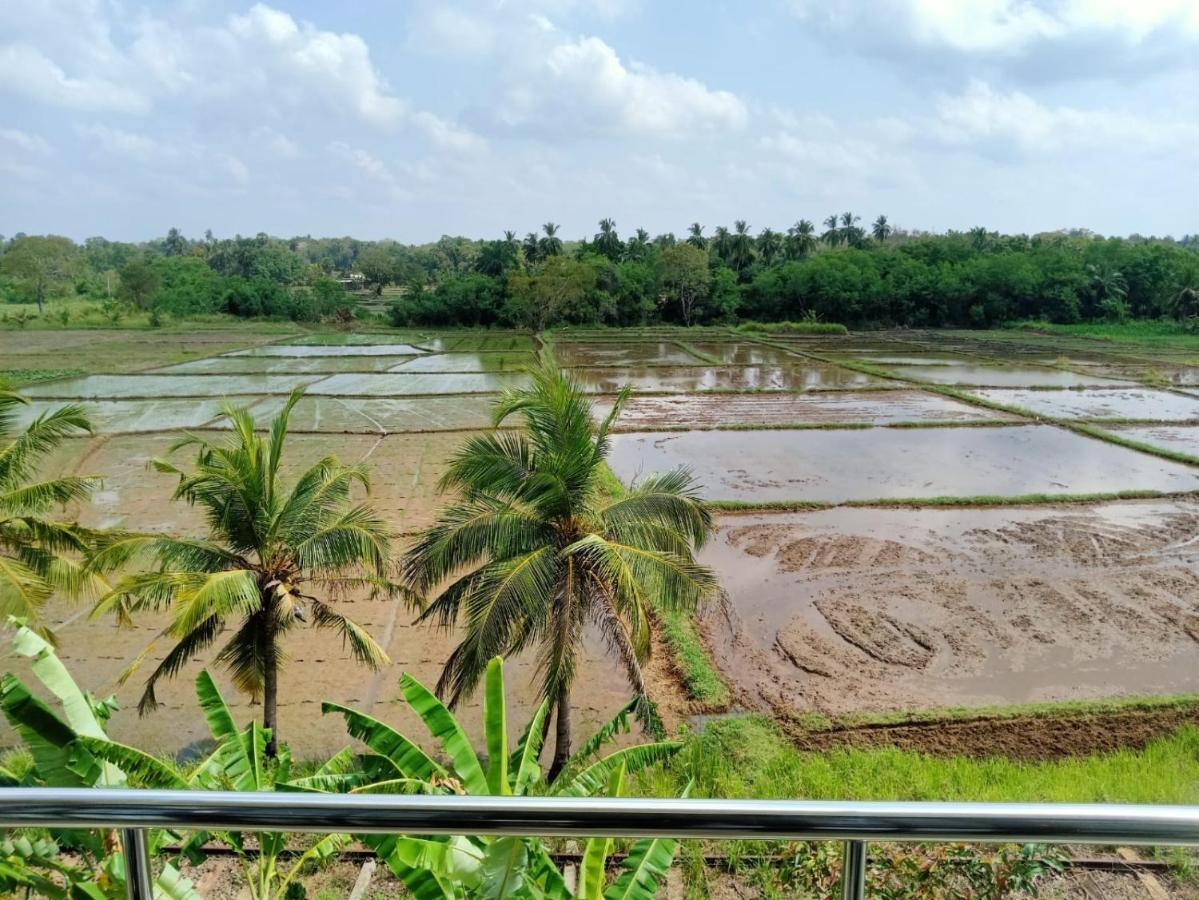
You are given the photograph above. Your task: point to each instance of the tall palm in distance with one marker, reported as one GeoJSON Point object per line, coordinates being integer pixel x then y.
{"type": "Point", "coordinates": [695, 236]}
{"type": "Point", "coordinates": [770, 245]}
{"type": "Point", "coordinates": [741, 246]}
{"type": "Point", "coordinates": [267, 550]}
{"type": "Point", "coordinates": [531, 246]}
{"type": "Point", "coordinates": [800, 240]}
{"type": "Point", "coordinates": [832, 234]}
{"type": "Point", "coordinates": [607, 241]}
{"type": "Point", "coordinates": [881, 229]}
{"type": "Point", "coordinates": [551, 244]}
{"type": "Point", "coordinates": [535, 550]}
{"type": "Point", "coordinates": [39, 556]}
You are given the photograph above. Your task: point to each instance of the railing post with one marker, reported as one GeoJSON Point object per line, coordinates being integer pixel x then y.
{"type": "Point", "coordinates": [139, 884]}
{"type": "Point", "coordinates": [853, 872]}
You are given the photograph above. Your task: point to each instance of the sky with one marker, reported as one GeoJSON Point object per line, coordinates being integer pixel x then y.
{"type": "Point", "coordinates": [409, 120]}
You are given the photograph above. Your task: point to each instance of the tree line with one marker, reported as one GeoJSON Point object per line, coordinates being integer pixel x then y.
{"type": "Point", "coordinates": [839, 271]}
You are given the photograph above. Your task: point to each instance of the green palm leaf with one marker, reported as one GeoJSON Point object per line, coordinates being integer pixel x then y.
{"type": "Point", "coordinates": [595, 854]}
{"type": "Point", "coordinates": [645, 868]}
{"type": "Point", "coordinates": [409, 760]}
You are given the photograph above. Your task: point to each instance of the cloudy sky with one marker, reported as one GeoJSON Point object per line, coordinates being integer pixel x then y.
{"type": "Point", "coordinates": [382, 118]}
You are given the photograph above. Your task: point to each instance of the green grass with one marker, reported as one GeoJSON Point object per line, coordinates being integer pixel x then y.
{"type": "Point", "coordinates": [750, 506]}
{"type": "Point", "coordinates": [769, 505]}
{"type": "Point", "coordinates": [703, 682]}
{"type": "Point", "coordinates": [817, 722]}
{"type": "Point", "coordinates": [16, 377]}
{"type": "Point", "coordinates": [1153, 332]}
{"type": "Point", "coordinates": [750, 757]}
{"type": "Point", "coordinates": [791, 328]}
{"type": "Point", "coordinates": [698, 354]}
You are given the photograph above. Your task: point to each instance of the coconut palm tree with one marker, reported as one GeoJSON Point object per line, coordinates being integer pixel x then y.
{"type": "Point", "coordinates": [832, 234]}
{"type": "Point", "coordinates": [536, 550]}
{"type": "Point", "coordinates": [551, 244]}
{"type": "Point", "coordinates": [531, 246]}
{"type": "Point", "coordinates": [1107, 282]}
{"type": "Point", "coordinates": [38, 555]}
{"type": "Point", "coordinates": [638, 245]}
{"type": "Point", "coordinates": [770, 244]}
{"type": "Point", "coordinates": [269, 549]}
{"type": "Point", "coordinates": [741, 246]}
{"type": "Point", "coordinates": [1184, 304]}
{"type": "Point", "coordinates": [881, 229]}
{"type": "Point", "coordinates": [801, 239]}
{"type": "Point", "coordinates": [722, 243]}
{"type": "Point", "coordinates": [851, 232]}
{"type": "Point", "coordinates": [607, 241]}
{"type": "Point", "coordinates": [695, 236]}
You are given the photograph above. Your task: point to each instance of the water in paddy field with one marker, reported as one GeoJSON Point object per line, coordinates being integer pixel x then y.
{"type": "Point", "coordinates": [840, 465]}
{"type": "Point", "coordinates": [836, 610]}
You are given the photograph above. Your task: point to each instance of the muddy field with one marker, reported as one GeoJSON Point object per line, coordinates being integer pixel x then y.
{"type": "Point", "coordinates": [845, 610]}
{"type": "Point", "coordinates": [855, 610]}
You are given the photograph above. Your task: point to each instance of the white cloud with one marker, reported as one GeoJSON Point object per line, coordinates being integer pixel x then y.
{"type": "Point", "coordinates": [175, 158]}
{"type": "Point", "coordinates": [1040, 39]}
{"type": "Point", "coordinates": [583, 87]}
{"type": "Point", "coordinates": [1003, 121]}
{"type": "Point", "coordinates": [447, 135]}
{"type": "Point", "coordinates": [30, 143]}
{"type": "Point", "coordinates": [333, 67]}
{"type": "Point", "coordinates": [26, 71]}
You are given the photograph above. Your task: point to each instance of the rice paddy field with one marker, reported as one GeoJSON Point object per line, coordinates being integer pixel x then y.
{"type": "Point", "coordinates": [906, 521]}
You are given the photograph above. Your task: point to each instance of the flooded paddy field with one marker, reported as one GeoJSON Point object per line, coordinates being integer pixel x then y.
{"type": "Point", "coordinates": [969, 374]}
{"type": "Point", "coordinates": [793, 377]}
{"type": "Point", "coordinates": [836, 466]}
{"type": "Point", "coordinates": [851, 610]}
{"type": "Point", "coordinates": [1128, 403]}
{"type": "Point", "coordinates": [765, 410]}
{"type": "Point", "coordinates": [841, 610]}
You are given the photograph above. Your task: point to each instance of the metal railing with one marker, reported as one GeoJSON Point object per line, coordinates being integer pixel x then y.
{"type": "Point", "coordinates": [855, 823]}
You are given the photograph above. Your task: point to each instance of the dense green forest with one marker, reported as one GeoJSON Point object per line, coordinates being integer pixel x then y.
{"type": "Point", "coordinates": [840, 272]}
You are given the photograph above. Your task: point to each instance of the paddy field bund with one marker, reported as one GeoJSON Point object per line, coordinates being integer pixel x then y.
{"type": "Point", "coordinates": [906, 520]}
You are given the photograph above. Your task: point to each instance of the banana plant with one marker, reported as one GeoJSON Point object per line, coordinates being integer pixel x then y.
{"type": "Point", "coordinates": [240, 762]}
{"type": "Point", "coordinates": [69, 864]}
{"type": "Point", "coordinates": [473, 866]}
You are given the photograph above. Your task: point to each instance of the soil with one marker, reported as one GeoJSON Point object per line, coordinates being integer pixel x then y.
{"type": "Point", "coordinates": [865, 610]}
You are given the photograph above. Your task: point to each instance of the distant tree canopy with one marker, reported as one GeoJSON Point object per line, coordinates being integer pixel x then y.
{"type": "Point", "coordinates": [841, 270]}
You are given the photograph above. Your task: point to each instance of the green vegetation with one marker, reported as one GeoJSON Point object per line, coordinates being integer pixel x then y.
{"type": "Point", "coordinates": [691, 659]}
{"type": "Point", "coordinates": [469, 866]}
{"type": "Point", "coordinates": [816, 722]}
{"type": "Point", "coordinates": [809, 327]}
{"type": "Point", "coordinates": [750, 757]}
{"type": "Point", "coordinates": [537, 549]}
{"type": "Point", "coordinates": [799, 283]}
{"type": "Point", "coordinates": [38, 555]}
{"type": "Point", "coordinates": [267, 548]}
{"type": "Point", "coordinates": [17, 377]}
{"type": "Point", "coordinates": [1151, 332]}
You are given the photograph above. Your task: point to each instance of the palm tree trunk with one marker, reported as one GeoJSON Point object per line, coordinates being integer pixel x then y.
{"type": "Point", "coordinates": [562, 736]}
{"type": "Point", "coordinates": [270, 695]}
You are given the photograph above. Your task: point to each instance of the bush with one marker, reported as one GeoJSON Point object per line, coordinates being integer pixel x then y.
{"type": "Point", "coordinates": [792, 328]}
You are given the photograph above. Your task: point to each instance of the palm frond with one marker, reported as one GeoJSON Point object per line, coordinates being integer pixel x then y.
{"type": "Point", "coordinates": [194, 642]}
{"type": "Point", "coordinates": [361, 644]}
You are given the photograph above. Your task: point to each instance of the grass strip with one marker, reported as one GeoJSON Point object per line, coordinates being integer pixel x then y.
{"type": "Point", "coordinates": [818, 722]}
{"type": "Point", "coordinates": [751, 506]}
{"type": "Point", "coordinates": [1114, 438]}
{"type": "Point", "coordinates": [750, 757]}
{"type": "Point", "coordinates": [35, 376]}
{"type": "Point", "coordinates": [692, 661]}
{"type": "Point", "coordinates": [698, 354]}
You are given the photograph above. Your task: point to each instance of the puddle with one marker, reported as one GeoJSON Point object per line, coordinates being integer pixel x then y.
{"type": "Point", "coordinates": [870, 407]}
{"type": "Point", "coordinates": [152, 387]}
{"type": "Point", "coordinates": [395, 384]}
{"type": "Point", "coordinates": [620, 354]}
{"type": "Point", "coordinates": [850, 610]}
{"type": "Point", "coordinates": [1001, 376]}
{"type": "Point", "coordinates": [839, 465]}
{"type": "Point", "coordinates": [1130, 403]}
{"type": "Point", "coordinates": [327, 365]}
{"type": "Point", "coordinates": [798, 377]}
{"type": "Point", "coordinates": [331, 350]}
{"type": "Point", "coordinates": [499, 361]}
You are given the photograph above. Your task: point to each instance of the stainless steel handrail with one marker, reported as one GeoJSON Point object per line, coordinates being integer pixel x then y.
{"type": "Point", "coordinates": [852, 822]}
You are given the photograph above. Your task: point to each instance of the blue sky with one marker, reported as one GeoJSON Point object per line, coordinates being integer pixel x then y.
{"type": "Point", "coordinates": [415, 119]}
